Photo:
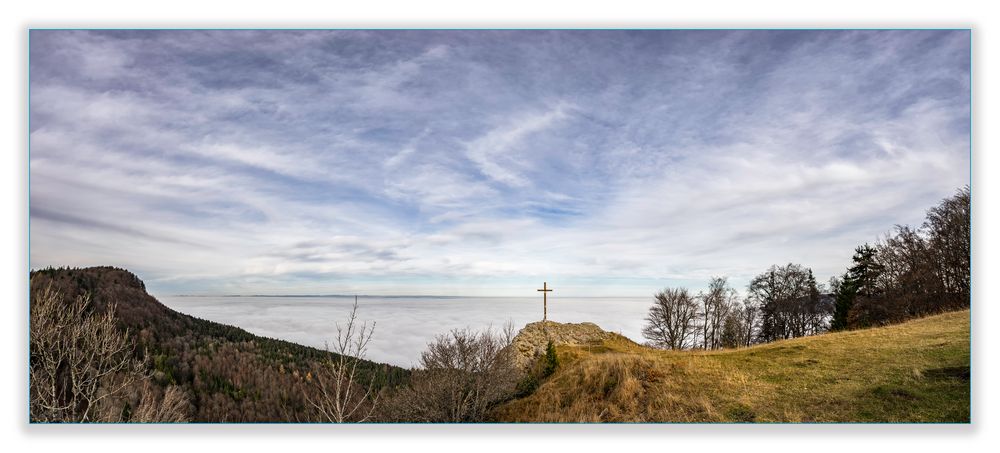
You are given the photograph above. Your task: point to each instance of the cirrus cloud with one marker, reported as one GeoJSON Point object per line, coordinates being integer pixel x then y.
{"type": "Point", "coordinates": [475, 162]}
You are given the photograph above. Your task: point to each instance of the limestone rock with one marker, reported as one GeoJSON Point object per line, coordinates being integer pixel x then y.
{"type": "Point", "coordinates": [531, 341]}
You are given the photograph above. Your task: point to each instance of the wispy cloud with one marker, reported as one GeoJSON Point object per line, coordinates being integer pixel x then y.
{"type": "Point", "coordinates": [495, 152]}
{"type": "Point", "coordinates": [476, 162]}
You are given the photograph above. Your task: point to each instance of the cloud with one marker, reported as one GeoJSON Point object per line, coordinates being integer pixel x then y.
{"type": "Point", "coordinates": [71, 221]}
{"type": "Point", "coordinates": [282, 163]}
{"type": "Point", "coordinates": [493, 151]}
{"type": "Point", "coordinates": [478, 162]}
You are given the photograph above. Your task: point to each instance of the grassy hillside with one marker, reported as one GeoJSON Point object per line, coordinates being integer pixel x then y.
{"type": "Point", "coordinates": [912, 372]}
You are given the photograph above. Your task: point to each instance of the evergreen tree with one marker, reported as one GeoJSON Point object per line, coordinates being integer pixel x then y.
{"type": "Point", "coordinates": [551, 360]}
{"type": "Point", "coordinates": [845, 299]}
{"type": "Point", "coordinates": [860, 281]}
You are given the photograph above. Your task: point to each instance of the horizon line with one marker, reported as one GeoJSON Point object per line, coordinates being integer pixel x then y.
{"type": "Point", "coordinates": [380, 295]}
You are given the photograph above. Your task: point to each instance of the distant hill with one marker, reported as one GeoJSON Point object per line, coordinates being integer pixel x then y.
{"type": "Point", "coordinates": [229, 374]}
{"type": "Point", "coordinates": [912, 372]}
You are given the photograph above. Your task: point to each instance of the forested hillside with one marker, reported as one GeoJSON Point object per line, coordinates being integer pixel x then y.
{"type": "Point", "coordinates": [223, 373]}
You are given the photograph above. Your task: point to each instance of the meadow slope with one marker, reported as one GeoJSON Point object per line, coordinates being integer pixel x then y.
{"type": "Point", "coordinates": [912, 372]}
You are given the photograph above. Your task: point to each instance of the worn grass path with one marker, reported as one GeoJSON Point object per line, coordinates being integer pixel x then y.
{"type": "Point", "coordinates": [912, 372]}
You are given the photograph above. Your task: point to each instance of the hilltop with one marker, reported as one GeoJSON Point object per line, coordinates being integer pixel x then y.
{"type": "Point", "coordinates": [917, 371]}
{"type": "Point", "coordinates": [532, 340]}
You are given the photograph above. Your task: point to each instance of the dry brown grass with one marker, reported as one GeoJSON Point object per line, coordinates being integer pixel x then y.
{"type": "Point", "coordinates": [913, 372]}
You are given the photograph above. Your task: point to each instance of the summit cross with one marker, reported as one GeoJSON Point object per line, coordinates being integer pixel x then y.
{"type": "Point", "coordinates": [545, 300]}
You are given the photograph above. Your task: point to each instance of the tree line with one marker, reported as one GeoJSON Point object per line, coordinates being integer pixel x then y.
{"type": "Point", "coordinates": [783, 302]}
{"type": "Point", "coordinates": [908, 273]}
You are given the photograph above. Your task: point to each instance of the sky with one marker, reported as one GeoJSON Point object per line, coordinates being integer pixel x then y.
{"type": "Point", "coordinates": [484, 162]}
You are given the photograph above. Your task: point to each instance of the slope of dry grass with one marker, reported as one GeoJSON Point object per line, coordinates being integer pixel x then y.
{"type": "Point", "coordinates": [913, 372]}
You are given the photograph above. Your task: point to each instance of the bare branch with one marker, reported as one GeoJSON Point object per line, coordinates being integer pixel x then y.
{"type": "Point", "coordinates": [339, 396]}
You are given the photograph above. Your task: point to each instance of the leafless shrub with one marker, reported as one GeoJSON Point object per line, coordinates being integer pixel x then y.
{"type": "Point", "coordinates": [336, 395]}
{"type": "Point", "coordinates": [78, 360]}
{"type": "Point", "coordinates": [174, 406]}
{"type": "Point", "coordinates": [464, 374]}
{"type": "Point", "coordinates": [82, 366]}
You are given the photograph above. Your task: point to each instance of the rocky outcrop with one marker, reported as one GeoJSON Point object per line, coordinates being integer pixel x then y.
{"type": "Point", "coordinates": [531, 341]}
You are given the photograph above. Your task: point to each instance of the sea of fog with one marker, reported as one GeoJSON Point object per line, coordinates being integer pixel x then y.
{"type": "Point", "coordinates": [404, 325]}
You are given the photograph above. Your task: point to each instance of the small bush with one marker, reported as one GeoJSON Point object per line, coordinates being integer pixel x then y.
{"type": "Point", "coordinates": [551, 360]}
{"type": "Point", "coordinates": [527, 386]}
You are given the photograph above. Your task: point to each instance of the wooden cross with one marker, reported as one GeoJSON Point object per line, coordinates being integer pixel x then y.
{"type": "Point", "coordinates": [545, 300]}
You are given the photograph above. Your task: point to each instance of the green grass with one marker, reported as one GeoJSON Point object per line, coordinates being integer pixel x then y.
{"type": "Point", "coordinates": [912, 372]}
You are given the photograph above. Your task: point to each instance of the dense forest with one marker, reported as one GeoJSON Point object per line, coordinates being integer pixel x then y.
{"type": "Point", "coordinates": [210, 371]}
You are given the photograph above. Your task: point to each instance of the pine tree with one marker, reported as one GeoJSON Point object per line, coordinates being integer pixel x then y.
{"type": "Point", "coordinates": [845, 299]}
{"type": "Point", "coordinates": [859, 281]}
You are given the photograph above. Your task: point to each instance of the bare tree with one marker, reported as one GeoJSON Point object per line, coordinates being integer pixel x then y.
{"type": "Point", "coordinates": [749, 313]}
{"type": "Point", "coordinates": [702, 321]}
{"type": "Point", "coordinates": [716, 305]}
{"type": "Point", "coordinates": [82, 366]}
{"type": "Point", "coordinates": [949, 232]}
{"type": "Point", "coordinates": [338, 396]}
{"type": "Point", "coordinates": [671, 319]}
{"type": "Point", "coordinates": [789, 301]}
{"type": "Point", "coordinates": [464, 374]}
{"type": "Point", "coordinates": [732, 331]}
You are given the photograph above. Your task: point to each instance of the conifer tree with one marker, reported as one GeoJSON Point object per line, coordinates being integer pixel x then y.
{"type": "Point", "coordinates": [860, 281]}
{"type": "Point", "coordinates": [845, 299]}
{"type": "Point", "coordinates": [551, 360]}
